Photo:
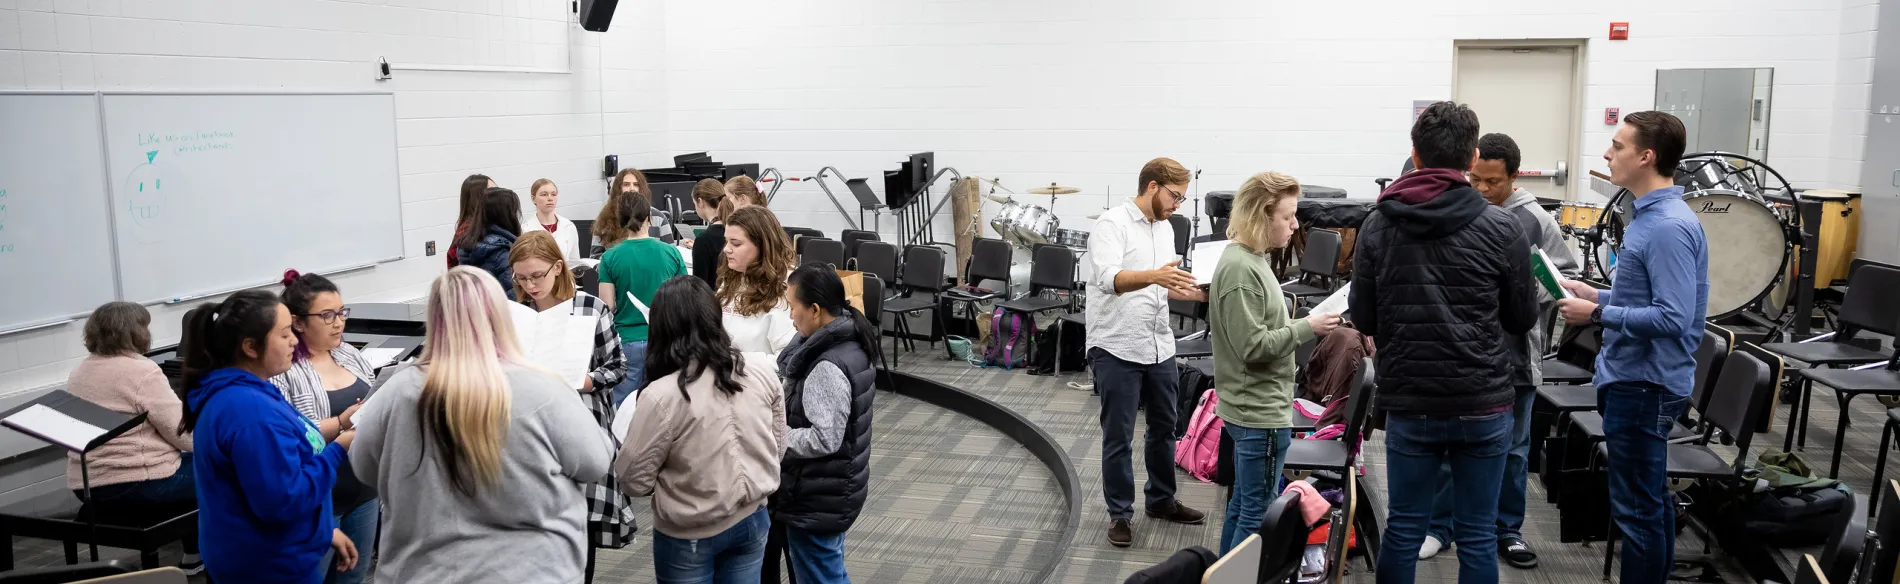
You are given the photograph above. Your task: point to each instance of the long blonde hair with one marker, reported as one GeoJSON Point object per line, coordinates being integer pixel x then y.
{"type": "Point", "coordinates": [465, 403]}
{"type": "Point", "coordinates": [762, 285]}
{"type": "Point", "coordinates": [1254, 204]}
{"type": "Point", "coordinates": [744, 186]}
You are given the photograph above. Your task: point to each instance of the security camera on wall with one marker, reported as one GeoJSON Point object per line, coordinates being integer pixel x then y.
{"type": "Point", "coordinates": [596, 14]}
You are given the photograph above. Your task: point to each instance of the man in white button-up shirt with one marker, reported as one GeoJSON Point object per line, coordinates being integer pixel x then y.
{"type": "Point", "coordinates": [1131, 346]}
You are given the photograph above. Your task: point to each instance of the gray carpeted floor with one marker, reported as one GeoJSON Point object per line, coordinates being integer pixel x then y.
{"type": "Point", "coordinates": [955, 501]}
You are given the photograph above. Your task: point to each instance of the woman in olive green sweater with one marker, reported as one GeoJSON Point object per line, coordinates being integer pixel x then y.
{"type": "Point", "coordinates": [1253, 347]}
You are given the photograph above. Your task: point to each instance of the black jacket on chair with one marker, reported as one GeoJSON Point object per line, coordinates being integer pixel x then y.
{"type": "Point", "coordinates": [1184, 567]}
{"type": "Point", "coordinates": [1439, 278]}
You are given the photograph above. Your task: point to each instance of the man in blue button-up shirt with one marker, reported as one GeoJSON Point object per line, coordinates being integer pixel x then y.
{"type": "Point", "coordinates": [1652, 323]}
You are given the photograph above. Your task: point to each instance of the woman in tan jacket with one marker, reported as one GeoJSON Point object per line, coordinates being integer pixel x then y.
{"type": "Point", "coordinates": [705, 442]}
{"type": "Point", "coordinates": [148, 469]}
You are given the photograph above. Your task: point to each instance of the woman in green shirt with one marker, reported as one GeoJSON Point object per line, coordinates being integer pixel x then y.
{"type": "Point", "coordinates": [1253, 347]}
{"type": "Point", "coordinates": [630, 272]}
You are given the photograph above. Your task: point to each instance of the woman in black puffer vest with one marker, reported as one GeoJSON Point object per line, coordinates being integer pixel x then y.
{"type": "Point", "coordinates": [826, 471]}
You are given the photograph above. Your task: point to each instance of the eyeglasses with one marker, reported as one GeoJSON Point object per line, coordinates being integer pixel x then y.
{"type": "Point", "coordinates": [521, 279]}
{"type": "Point", "coordinates": [1178, 197]}
{"type": "Point", "coordinates": [330, 316]}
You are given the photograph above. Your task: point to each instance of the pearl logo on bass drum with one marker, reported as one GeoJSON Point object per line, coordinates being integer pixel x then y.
{"type": "Point", "coordinates": [1710, 207]}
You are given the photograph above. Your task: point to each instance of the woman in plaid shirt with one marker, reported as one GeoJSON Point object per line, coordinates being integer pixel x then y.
{"type": "Point", "coordinates": [543, 282]}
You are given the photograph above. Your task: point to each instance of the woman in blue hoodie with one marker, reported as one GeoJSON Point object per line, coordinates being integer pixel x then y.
{"type": "Point", "coordinates": [264, 471]}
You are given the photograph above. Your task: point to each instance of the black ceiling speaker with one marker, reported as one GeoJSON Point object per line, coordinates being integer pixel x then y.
{"type": "Point", "coordinates": [597, 14]}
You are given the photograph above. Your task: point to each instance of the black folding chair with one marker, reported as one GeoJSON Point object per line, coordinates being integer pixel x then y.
{"type": "Point", "coordinates": [1052, 269]}
{"type": "Point", "coordinates": [1341, 455]}
{"type": "Point", "coordinates": [1283, 533]}
{"type": "Point", "coordinates": [989, 262]}
{"type": "Point", "coordinates": [1319, 267]}
{"type": "Point", "coordinates": [923, 282]}
{"type": "Point", "coordinates": [825, 251]}
{"type": "Point", "coordinates": [1869, 306]}
{"type": "Point", "coordinates": [878, 258]}
{"type": "Point", "coordinates": [853, 237]}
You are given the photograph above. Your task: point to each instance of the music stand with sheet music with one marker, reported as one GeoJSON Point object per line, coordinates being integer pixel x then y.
{"type": "Point", "coordinates": [69, 421]}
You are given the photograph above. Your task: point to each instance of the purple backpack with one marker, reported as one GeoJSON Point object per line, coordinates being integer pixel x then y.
{"type": "Point", "coordinates": [1011, 336]}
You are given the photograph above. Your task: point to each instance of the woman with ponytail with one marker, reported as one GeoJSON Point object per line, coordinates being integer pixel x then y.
{"type": "Point", "coordinates": [828, 373]}
{"type": "Point", "coordinates": [326, 381]}
{"type": "Point", "coordinates": [468, 213]}
{"type": "Point", "coordinates": [264, 472]}
{"type": "Point", "coordinates": [479, 457]}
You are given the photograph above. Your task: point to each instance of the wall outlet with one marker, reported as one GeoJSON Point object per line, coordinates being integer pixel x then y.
{"type": "Point", "coordinates": [428, 248]}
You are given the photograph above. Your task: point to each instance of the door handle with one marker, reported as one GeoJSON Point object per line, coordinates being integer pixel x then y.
{"type": "Point", "coordinates": [1562, 174]}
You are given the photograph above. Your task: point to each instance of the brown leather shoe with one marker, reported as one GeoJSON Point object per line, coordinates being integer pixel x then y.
{"type": "Point", "coordinates": [1120, 534]}
{"type": "Point", "coordinates": [1177, 513]}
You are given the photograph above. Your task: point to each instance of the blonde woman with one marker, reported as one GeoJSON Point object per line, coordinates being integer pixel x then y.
{"type": "Point", "coordinates": [543, 282]}
{"type": "Point", "coordinates": [744, 192]}
{"type": "Point", "coordinates": [752, 282]}
{"type": "Point", "coordinates": [546, 198]}
{"type": "Point", "coordinates": [1253, 347]}
{"type": "Point", "coordinates": [610, 227]}
{"type": "Point", "coordinates": [480, 457]}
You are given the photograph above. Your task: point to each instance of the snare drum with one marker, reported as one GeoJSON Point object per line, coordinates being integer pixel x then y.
{"type": "Point", "coordinates": [1579, 215]}
{"type": "Point", "coordinates": [1005, 220]}
{"type": "Point", "coordinates": [1035, 225]}
{"type": "Point", "coordinates": [1072, 238]}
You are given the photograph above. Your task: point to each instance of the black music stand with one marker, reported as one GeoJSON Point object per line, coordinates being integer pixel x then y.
{"type": "Point", "coordinates": [70, 422]}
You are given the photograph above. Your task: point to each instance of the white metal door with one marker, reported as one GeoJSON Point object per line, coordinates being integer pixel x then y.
{"type": "Point", "coordinates": [1526, 93]}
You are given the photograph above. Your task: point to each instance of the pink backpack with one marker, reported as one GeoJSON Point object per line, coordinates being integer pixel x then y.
{"type": "Point", "coordinates": [1198, 451]}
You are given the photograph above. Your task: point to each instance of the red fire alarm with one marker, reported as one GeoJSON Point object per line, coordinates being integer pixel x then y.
{"type": "Point", "coordinates": [1610, 114]}
{"type": "Point", "coordinates": [1619, 31]}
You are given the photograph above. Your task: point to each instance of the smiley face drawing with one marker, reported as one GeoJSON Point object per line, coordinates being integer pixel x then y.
{"type": "Point", "coordinates": [146, 187]}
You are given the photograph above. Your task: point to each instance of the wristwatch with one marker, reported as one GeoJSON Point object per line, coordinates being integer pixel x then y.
{"type": "Point", "coordinates": [1596, 316]}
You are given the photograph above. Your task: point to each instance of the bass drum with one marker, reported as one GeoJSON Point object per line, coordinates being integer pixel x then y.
{"type": "Point", "coordinates": [1748, 249]}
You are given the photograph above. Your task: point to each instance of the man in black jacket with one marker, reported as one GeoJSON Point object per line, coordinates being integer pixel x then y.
{"type": "Point", "coordinates": [1440, 277]}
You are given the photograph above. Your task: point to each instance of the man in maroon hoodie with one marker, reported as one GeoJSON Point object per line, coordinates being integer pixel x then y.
{"type": "Point", "coordinates": [1440, 276]}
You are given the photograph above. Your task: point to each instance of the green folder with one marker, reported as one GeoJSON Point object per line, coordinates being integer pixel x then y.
{"type": "Point", "coordinates": [1547, 274]}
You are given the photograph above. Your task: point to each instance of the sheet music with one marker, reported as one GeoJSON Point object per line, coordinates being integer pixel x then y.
{"type": "Point", "coordinates": [55, 426]}
{"type": "Point", "coordinates": [382, 356]}
{"type": "Point", "coordinates": [1205, 256]}
{"type": "Point", "coordinates": [1337, 303]}
{"type": "Point", "coordinates": [562, 343]}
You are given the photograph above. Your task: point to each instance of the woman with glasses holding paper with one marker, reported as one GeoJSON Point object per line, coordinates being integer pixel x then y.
{"type": "Point", "coordinates": [327, 381]}
{"type": "Point", "coordinates": [1254, 367]}
{"type": "Point", "coordinates": [574, 337]}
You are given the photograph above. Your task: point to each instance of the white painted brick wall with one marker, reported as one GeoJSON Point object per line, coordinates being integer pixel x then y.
{"type": "Point", "coordinates": [1029, 92]}
{"type": "Point", "coordinates": [516, 127]}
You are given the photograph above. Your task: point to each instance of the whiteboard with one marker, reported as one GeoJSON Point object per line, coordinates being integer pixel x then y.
{"type": "Point", "coordinates": [55, 236]}
{"type": "Point", "coordinates": [214, 193]}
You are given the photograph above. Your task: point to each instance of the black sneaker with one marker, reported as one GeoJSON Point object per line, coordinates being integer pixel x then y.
{"type": "Point", "coordinates": [1177, 513]}
{"type": "Point", "coordinates": [1120, 534]}
{"type": "Point", "coordinates": [1518, 554]}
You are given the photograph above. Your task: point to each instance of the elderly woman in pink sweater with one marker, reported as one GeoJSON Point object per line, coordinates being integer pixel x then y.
{"type": "Point", "coordinates": [148, 469]}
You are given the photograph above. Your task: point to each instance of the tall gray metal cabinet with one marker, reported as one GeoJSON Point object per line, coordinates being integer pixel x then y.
{"type": "Point", "coordinates": [1880, 173]}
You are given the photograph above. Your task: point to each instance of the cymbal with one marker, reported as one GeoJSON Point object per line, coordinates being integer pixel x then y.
{"type": "Point", "coordinates": [998, 198]}
{"type": "Point", "coordinates": [1096, 216]}
{"type": "Point", "coordinates": [1054, 189]}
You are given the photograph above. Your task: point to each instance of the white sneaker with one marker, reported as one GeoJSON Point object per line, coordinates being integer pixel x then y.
{"type": "Point", "coordinates": [1431, 547]}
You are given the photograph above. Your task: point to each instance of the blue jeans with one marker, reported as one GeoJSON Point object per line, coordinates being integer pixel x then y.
{"type": "Point", "coordinates": [1637, 418]}
{"type": "Point", "coordinates": [1123, 386]}
{"type": "Point", "coordinates": [816, 558]}
{"type": "Point", "coordinates": [636, 354]}
{"type": "Point", "coordinates": [734, 556]}
{"type": "Point", "coordinates": [359, 525]}
{"type": "Point", "coordinates": [1259, 458]}
{"type": "Point", "coordinates": [1516, 474]}
{"type": "Point", "coordinates": [1416, 447]}
{"type": "Point", "coordinates": [172, 495]}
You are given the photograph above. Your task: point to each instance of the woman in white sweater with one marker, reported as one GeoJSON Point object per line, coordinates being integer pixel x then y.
{"type": "Point", "coordinates": [546, 197]}
{"type": "Point", "coordinates": [752, 282]}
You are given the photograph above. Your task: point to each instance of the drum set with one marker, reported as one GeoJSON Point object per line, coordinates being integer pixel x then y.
{"type": "Point", "coordinates": [1748, 216]}
{"type": "Point", "coordinates": [1030, 225]}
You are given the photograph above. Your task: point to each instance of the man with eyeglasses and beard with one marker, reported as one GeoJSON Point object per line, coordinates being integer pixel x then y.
{"type": "Point", "coordinates": [1131, 345]}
